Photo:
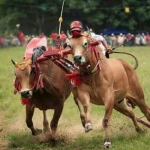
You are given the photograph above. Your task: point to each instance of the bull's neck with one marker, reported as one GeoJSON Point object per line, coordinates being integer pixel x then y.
{"type": "Point", "coordinates": [89, 77]}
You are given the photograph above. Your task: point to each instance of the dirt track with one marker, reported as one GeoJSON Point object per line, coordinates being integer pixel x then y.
{"type": "Point", "coordinates": [67, 129]}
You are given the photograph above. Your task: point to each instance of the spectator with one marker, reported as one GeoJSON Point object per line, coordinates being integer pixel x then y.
{"type": "Point", "coordinates": [21, 37]}
{"type": "Point", "coordinates": [42, 35]}
{"type": "Point", "coordinates": [128, 41]}
{"type": "Point", "coordinates": [113, 40]}
{"type": "Point", "coordinates": [121, 39]}
{"type": "Point", "coordinates": [62, 37]}
{"type": "Point", "coordinates": [147, 37]}
{"type": "Point", "coordinates": [143, 39]}
{"type": "Point", "coordinates": [137, 40]}
{"type": "Point", "coordinates": [54, 38]}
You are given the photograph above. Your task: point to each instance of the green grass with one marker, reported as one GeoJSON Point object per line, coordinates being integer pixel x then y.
{"type": "Point", "coordinates": [123, 135]}
{"type": "Point", "coordinates": [9, 103]}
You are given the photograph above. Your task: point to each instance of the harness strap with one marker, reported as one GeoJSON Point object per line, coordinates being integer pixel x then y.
{"type": "Point", "coordinates": [40, 82]}
{"type": "Point", "coordinates": [36, 77]}
{"type": "Point", "coordinates": [95, 68]}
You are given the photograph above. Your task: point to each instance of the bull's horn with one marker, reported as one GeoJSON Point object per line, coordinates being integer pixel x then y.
{"type": "Point", "coordinates": [13, 61]}
{"type": "Point", "coordinates": [68, 34]}
{"type": "Point", "coordinates": [88, 30]}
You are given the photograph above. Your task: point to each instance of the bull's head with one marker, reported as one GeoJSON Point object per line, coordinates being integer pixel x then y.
{"type": "Point", "coordinates": [79, 47]}
{"type": "Point", "coordinates": [25, 78]}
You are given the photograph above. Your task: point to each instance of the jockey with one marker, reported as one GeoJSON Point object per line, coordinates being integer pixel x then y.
{"type": "Point", "coordinates": [76, 28]}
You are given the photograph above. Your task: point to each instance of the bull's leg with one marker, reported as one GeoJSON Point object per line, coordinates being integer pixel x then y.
{"type": "Point", "coordinates": [55, 119]}
{"type": "Point", "coordinates": [46, 128]}
{"type": "Point", "coordinates": [82, 114]}
{"type": "Point", "coordinates": [106, 120]}
{"type": "Point", "coordinates": [128, 111]}
{"type": "Point", "coordinates": [136, 95]}
{"type": "Point", "coordinates": [144, 109]}
{"type": "Point", "coordinates": [85, 101]}
{"type": "Point", "coordinates": [142, 105]}
{"type": "Point", "coordinates": [80, 107]}
{"type": "Point", "coordinates": [29, 115]}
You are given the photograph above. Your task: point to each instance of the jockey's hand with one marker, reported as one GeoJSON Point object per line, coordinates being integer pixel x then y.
{"type": "Point", "coordinates": [61, 54]}
{"type": "Point", "coordinates": [109, 49]}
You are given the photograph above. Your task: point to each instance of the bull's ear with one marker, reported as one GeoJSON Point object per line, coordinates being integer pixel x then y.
{"type": "Point", "coordinates": [13, 61]}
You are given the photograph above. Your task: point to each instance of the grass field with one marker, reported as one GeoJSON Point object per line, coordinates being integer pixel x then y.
{"type": "Point", "coordinates": [15, 135]}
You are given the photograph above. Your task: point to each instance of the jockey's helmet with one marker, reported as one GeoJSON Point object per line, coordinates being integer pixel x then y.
{"type": "Point", "coordinates": [76, 26]}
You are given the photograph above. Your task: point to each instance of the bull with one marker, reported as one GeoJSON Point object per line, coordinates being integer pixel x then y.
{"type": "Point", "coordinates": [109, 82]}
{"type": "Point", "coordinates": [41, 85]}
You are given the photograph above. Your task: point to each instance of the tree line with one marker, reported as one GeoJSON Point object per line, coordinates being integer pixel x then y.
{"type": "Point", "coordinates": [36, 16]}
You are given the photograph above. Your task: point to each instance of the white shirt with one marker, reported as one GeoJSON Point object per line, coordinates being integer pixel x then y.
{"type": "Point", "coordinates": [99, 38]}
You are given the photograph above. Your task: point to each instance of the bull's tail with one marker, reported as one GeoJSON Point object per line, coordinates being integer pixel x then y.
{"type": "Point", "coordinates": [136, 61]}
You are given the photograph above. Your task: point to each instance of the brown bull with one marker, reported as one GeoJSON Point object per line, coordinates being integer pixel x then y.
{"type": "Point", "coordinates": [109, 82]}
{"type": "Point", "coordinates": [42, 86]}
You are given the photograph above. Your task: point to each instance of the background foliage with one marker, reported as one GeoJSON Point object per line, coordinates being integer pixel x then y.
{"type": "Point", "coordinates": [36, 16]}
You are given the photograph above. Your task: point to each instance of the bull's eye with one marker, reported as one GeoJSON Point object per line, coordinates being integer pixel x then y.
{"type": "Point", "coordinates": [85, 45]}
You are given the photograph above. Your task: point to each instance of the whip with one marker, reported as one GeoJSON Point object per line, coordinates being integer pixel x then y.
{"type": "Point", "coordinates": [117, 46]}
{"type": "Point", "coordinates": [136, 61]}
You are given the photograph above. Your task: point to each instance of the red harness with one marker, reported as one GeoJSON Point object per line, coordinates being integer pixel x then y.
{"type": "Point", "coordinates": [37, 82]}
{"type": "Point", "coordinates": [76, 78]}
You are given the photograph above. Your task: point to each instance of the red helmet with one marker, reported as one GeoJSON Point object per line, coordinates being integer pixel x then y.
{"type": "Point", "coordinates": [76, 26]}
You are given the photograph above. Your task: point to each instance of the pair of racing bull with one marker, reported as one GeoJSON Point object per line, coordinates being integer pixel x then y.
{"type": "Point", "coordinates": [95, 79]}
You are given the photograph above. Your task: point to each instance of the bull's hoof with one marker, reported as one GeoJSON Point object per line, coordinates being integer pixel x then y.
{"type": "Point", "coordinates": [107, 145]}
{"type": "Point", "coordinates": [37, 132]}
{"type": "Point", "coordinates": [139, 130]}
{"type": "Point", "coordinates": [88, 127]}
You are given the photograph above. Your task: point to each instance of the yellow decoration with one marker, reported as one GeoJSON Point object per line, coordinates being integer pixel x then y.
{"type": "Point", "coordinates": [23, 64]}
{"type": "Point", "coordinates": [127, 9]}
{"type": "Point", "coordinates": [60, 19]}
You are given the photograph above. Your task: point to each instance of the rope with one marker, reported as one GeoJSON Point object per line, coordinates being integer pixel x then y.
{"type": "Point", "coordinates": [136, 61]}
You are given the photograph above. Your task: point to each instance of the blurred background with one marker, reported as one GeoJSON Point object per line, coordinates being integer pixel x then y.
{"type": "Point", "coordinates": [40, 17]}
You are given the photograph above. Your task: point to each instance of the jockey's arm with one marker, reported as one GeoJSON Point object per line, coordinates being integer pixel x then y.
{"type": "Point", "coordinates": [107, 47]}
{"type": "Point", "coordinates": [103, 41]}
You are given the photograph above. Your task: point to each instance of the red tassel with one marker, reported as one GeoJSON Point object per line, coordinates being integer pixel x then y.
{"type": "Point", "coordinates": [15, 91]}
{"type": "Point", "coordinates": [25, 101]}
{"type": "Point", "coordinates": [17, 85]}
{"type": "Point", "coordinates": [75, 79]}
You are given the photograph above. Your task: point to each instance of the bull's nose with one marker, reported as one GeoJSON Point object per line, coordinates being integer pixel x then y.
{"type": "Point", "coordinates": [25, 94]}
{"type": "Point", "coordinates": [77, 59]}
